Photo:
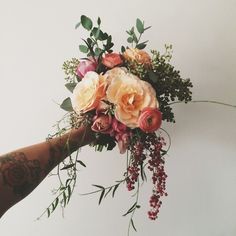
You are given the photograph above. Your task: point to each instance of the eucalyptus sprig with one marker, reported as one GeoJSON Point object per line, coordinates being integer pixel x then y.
{"type": "Point", "coordinates": [135, 37]}
{"type": "Point", "coordinates": [98, 41]}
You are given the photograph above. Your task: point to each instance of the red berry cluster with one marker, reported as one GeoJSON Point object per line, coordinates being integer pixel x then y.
{"type": "Point", "coordinates": [149, 146]}
{"type": "Point", "coordinates": [156, 166]}
{"type": "Point", "coordinates": [137, 158]}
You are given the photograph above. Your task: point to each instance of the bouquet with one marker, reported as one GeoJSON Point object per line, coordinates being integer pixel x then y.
{"type": "Point", "coordinates": [124, 96]}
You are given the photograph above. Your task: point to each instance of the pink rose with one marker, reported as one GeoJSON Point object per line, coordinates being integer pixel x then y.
{"type": "Point", "coordinates": [102, 124]}
{"type": "Point", "coordinates": [111, 60]}
{"type": "Point", "coordinates": [86, 66]}
{"type": "Point", "coordinates": [150, 119]}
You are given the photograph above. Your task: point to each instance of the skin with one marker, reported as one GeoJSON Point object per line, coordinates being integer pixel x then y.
{"type": "Point", "coordinates": [21, 171]}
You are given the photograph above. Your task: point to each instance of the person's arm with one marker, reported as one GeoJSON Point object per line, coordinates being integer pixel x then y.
{"type": "Point", "coordinates": [22, 170]}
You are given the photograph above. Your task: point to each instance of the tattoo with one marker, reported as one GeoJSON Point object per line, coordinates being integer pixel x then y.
{"type": "Point", "coordinates": [58, 152]}
{"type": "Point", "coordinates": [19, 173]}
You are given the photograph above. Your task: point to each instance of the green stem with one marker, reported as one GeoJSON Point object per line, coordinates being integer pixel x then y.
{"type": "Point", "coordinates": [133, 212]}
{"type": "Point", "coordinates": [205, 101]}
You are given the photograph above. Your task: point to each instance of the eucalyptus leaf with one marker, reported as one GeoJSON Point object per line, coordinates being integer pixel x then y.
{"type": "Point", "coordinates": [99, 21]}
{"type": "Point", "coordinates": [96, 32]}
{"type": "Point", "coordinates": [122, 49]}
{"type": "Point", "coordinates": [83, 48]}
{"type": "Point", "coordinates": [86, 22]}
{"type": "Point", "coordinates": [66, 105]}
{"type": "Point", "coordinates": [139, 26]}
{"type": "Point", "coordinates": [97, 51]}
{"type": "Point", "coordinates": [141, 45]}
{"type": "Point", "coordinates": [70, 86]}
{"type": "Point", "coordinates": [104, 36]}
{"type": "Point", "coordinates": [130, 40]}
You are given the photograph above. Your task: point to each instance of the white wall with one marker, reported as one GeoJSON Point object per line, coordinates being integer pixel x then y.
{"type": "Point", "coordinates": [37, 36]}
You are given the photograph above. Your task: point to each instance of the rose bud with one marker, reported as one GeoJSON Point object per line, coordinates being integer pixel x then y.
{"type": "Point", "coordinates": [86, 66]}
{"type": "Point", "coordinates": [123, 140]}
{"type": "Point", "coordinates": [150, 119]}
{"type": "Point", "coordinates": [118, 126]}
{"type": "Point", "coordinates": [102, 124]}
{"type": "Point", "coordinates": [111, 60]}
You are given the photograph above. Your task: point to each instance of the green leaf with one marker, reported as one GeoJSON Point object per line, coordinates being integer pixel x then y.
{"type": "Point", "coordinates": [70, 86]}
{"type": "Point", "coordinates": [109, 190]}
{"type": "Point", "coordinates": [141, 45]}
{"type": "Point", "coordinates": [83, 48]}
{"type": "Point", "coordinates": [54, 205]}
{"type": "Point", "coordinates": [69, 193]}
{"type": "Point", "coordinates": [68, 166]}
{"type": "Point", "coordinates": [66, 105]}
{"type": "Point", "coordinates": [147, 28]}
{"type": "Point", "coordinates": [139, 26]}
{"type": "Point", "coordinates": [114, 190]}
{"type": "Point", "coordinates": [104, 36]}
{"type": "Point", "coordinates": [122, 49]}
{"type": "Point", "coordinates": [86, 22]}
{"type": "Point", "coordinates": [81, 163]}
{"type": "Point", "coordinates": [101, 196]}
{"type": "Point", "coordinates": [77, 25]}
{"type": "Point", "coordinates": [97, 51]}
{"type": "Point", "coordinates": [64, 199]}
{"type": "Point", "coordinates": [98, 186]}
{"type": "Point", "coordinates": [143, 174]}
{"type": "Point", "coordinates": [99, 21]}
{"type": "Point", "coordinates": [131, 209]}
{"type": "Point", "coordinates": [130, 40]}
{"type": "Point", "coordinates": [135, 39]}
{"type": "Point", "coordinates": [96, 32]}
{"type": "Point", "coordinates": [132, 223]}
{"type": "Point", "coordinates": [48, 212]}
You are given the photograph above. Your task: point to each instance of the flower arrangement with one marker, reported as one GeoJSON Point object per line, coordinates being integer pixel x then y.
{"type": "Point", "coordinates": [124, 97]}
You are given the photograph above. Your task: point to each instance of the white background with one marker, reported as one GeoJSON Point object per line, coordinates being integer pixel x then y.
{"type": "Point", "coordinates": [37, 36]}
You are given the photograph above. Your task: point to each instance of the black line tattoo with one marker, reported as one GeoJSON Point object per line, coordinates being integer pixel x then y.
{"type": "Point", "coordinates": [19, 173]}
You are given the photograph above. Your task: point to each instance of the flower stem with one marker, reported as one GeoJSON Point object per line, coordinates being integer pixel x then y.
{"type": "Point", "coordinates": [205, 101]}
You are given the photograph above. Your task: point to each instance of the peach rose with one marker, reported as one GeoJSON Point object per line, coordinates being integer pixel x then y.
{"type": "Point", "coordinates": [130, 96]}
{"type": "Point", "coordinates": [138, 56]}
{"type": "Point", "coordinates": [89, 92]}
{"type": "Point", "coordinates": [150, 119]}
{"type": "Point", "coordinates": [111, 60]}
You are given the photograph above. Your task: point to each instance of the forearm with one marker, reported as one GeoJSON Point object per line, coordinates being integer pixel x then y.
{"type": "Point", "coordinates": [22, 170]}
